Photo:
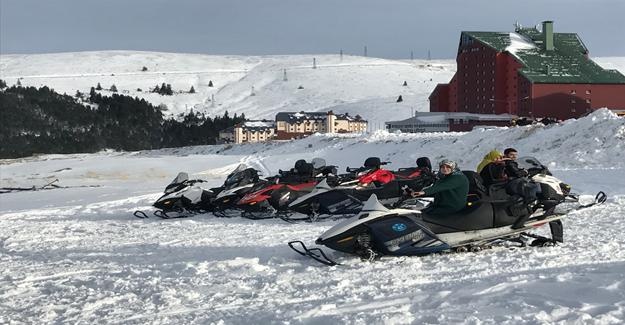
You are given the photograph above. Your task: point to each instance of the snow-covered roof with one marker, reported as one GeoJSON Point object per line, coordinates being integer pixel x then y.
{"type": "Point", "coordinates": [444, 117]}
{"type": "Point", "coordinates": [519, 42]}
{"type": "Point", "coordinates": [294, 117]}
{"type": "Point", "coordinates": [258, 124]}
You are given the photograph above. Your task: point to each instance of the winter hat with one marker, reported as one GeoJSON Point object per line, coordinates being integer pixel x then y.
{"type": "Point", "coordinates": [448, 162]}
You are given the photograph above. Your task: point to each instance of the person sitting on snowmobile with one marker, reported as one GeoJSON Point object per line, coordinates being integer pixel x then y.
{"type": "Point", "coordinates": [518, 182]}
{"type": "Point", "coordinates": [492, 169]}
{"type": "Point", "coordinates": [490, 157]}
{"type": "Point", "coordinates": [450, 190]}
{"type": "Point", "coordinates": [512, 167]}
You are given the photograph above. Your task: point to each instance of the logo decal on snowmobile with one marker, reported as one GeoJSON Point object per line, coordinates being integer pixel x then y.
{"type": "Point", "coordinates": [399, 227]}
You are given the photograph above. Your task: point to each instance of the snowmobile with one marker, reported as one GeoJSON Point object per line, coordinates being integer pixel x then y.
{"type": "Point", "coordinates": [490, 215]}
{"type": "Point", "coordinates": [346, 200]}
{"type": "Point", "coordinates": [271, 199]}
{"type": "Point", "coordinates": [182, 195]}
{"type": "Point", "coordinates": [236, 185]}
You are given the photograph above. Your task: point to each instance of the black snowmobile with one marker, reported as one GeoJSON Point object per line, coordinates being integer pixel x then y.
{"type": "Point", "coordinates": [490, 215]}
{"type": "Point", "coordinates": [241, 181]}
{"type": "Point", "coordinates": [389, 187]}
{"type": "Point", "coordinates": [184, 197]}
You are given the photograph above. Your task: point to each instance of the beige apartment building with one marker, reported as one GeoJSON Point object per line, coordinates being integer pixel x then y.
{"type": "Point", "coordinates": [291, 125]}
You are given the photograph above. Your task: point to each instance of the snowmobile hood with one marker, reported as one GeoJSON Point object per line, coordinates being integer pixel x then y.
{"type": "Point", "coordinates": [321, 187]}
{"type": "Point", "coordinates": [233, 191]}
{"type": "Point", "coordinates": [372, 210]}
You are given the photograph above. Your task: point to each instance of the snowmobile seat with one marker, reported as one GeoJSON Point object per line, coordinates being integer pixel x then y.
{"type": "Point", "coordinates": [476, 216]}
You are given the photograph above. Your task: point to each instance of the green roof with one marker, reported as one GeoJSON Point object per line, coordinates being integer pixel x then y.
{"type": "Point", "coordinates": [567, 63]}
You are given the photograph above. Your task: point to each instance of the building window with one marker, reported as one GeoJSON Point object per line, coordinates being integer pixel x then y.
{"type": "Point", "coordinates": [573, 92]}
{"type": "Point", "coordinates": [572, 110]}
{"type": "Point", "coordinates": [573, 101]}
{"type": "Point", "coordinates": [588, 92]}
{"type": "Point", "coordinates": [587, 101]}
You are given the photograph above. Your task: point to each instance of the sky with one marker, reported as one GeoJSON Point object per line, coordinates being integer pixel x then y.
{"type": "Point", "coordinates": [389, 29]}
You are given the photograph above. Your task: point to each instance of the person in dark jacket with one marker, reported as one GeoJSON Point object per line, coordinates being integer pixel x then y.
{"type": "Point", "coordinates": [450, 190]}
{"type": "Point", "coordinates": [512, 167]}
{"type": "Point", "coordinates": [518, 182]}
{"type": "Point", "coordinates": [492, 169]}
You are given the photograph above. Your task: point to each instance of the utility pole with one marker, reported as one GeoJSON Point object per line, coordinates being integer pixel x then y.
{"type": "Point", "coordinates": [429, 55]}
{"type": "Point", "coordinates": [365, 50]}
{"type": "Point", "coordinates": [341, 55]}
{"type": "Point", "coordinates": [314, 63]}
{"type": "Point", "coordinates": [212, 100]}
{"type": "Point", "coordinates": [284, 77]}
{"type": "Point", "coordinates": [411, 55]}
{"type": "Point", "coordinates": [252, 93]}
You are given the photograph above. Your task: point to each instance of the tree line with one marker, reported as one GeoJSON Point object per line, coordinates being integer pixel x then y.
{"type": "Point", "coordinates": [40, 120]}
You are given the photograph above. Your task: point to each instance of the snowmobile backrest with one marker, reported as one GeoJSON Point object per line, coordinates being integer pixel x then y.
{"type": "Point", "coordinates": [299, 164]}
{"type": "Point", "coordinates": [424, 162]}
{"type": "Point", "coordinates": [305, 169]}
{"type": "Point", "coordinates": [476, 186]}
{"type": "Point", "coordinates": [373, 162]}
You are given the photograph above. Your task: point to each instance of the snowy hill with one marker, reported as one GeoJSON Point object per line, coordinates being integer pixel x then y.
{"type": "Point", "coordinates": [77, 255]}
{"type": "Point", "coordinates": [359, 85]}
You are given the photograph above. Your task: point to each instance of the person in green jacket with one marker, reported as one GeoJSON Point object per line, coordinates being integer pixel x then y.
{"type": "Point", "coordinates": [450, 191]}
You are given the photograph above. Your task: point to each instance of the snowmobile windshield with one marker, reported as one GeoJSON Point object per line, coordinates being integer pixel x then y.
{"type": "Point", "coordinates": [239, 177]}
{"type": "Point", "coordinates": [532, 164]}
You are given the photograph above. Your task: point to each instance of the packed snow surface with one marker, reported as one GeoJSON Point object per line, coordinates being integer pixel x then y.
{"type": "Point", "coordinates": [77, 255]}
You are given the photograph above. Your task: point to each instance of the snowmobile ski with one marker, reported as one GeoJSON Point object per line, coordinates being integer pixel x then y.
{"type": "Point", "coordinates": [315, 253]}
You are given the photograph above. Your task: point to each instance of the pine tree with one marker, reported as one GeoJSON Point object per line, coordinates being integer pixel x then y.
{"type": "Point", "coordinates": [405, 83]}
{"type": "Point", "coordinates": [92, 94]}
{"type": "Point", "coordinates": [2, 84]}
{"type": "Point", "coordinates": [192, 90]}
{"type": "Point", "coordinates": [400, 99]}
{"type": "Point", "coordinates": [144, 68]}
{"type": "Point", "coordinates": [98, 87]}
{"type": "Point", "coordinates": [113, 88]}
{"type": "Point", "coordinates": [210, 83]}
{"type": "Point", "coordinates": [78, 94]}
{"type": "Point", "coordinates": [18, 83]}
{"type": "Point", "coordinates": [169, 91]}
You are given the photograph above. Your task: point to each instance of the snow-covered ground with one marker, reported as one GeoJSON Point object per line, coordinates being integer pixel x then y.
{"type": "Point", "coordinates": [77, 255]}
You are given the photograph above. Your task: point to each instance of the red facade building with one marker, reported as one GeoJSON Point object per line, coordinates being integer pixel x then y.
{"type": "Point", "coordinates": [528, 73]}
